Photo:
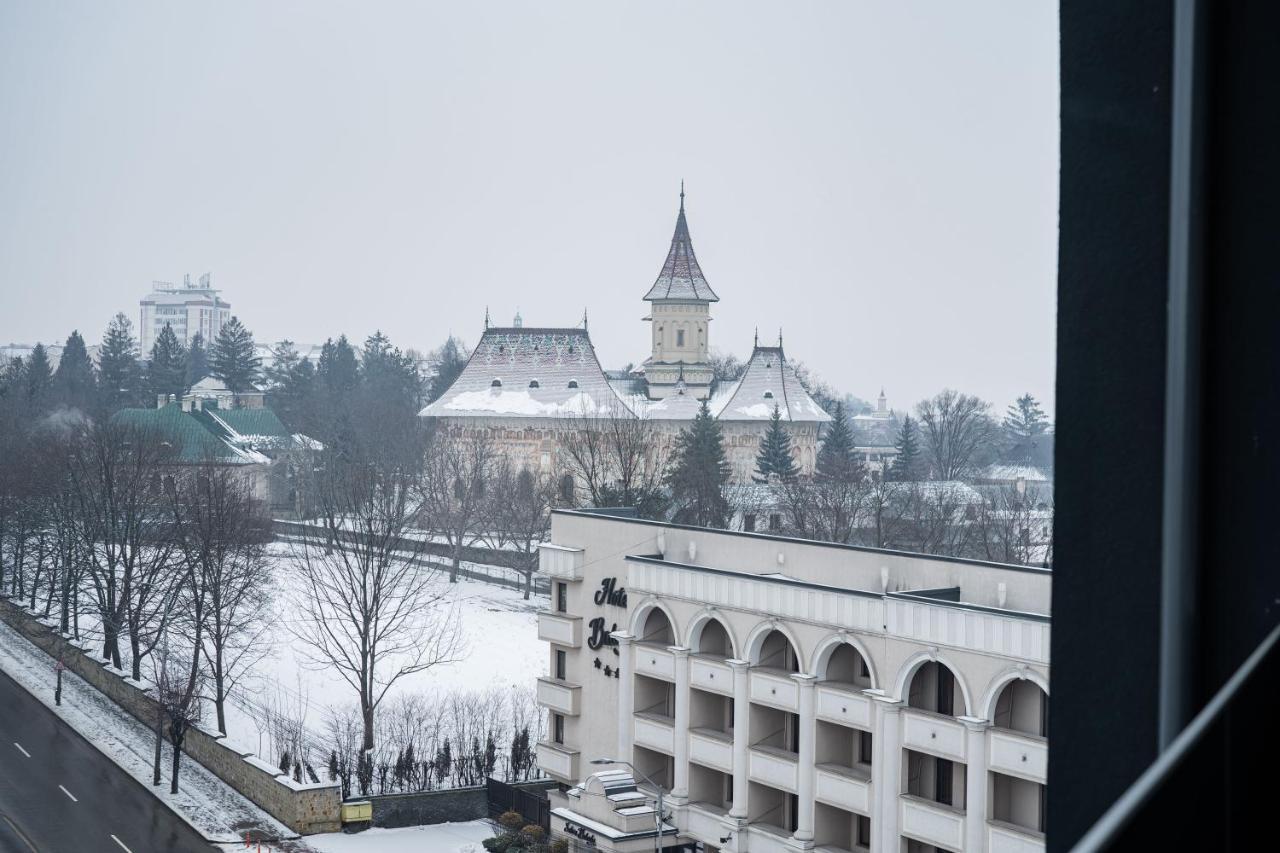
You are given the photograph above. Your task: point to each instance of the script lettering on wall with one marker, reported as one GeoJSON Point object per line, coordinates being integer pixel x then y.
{"type": "Point", "coordinates": [610, 593]}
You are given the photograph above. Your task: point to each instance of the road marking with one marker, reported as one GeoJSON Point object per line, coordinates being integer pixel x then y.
{"type": "Point", "coordinates": [20, 749]}
{"type": "Point", "coordinates": [121, 843]}
{"type": "Point", "coordinates": [69, 794]}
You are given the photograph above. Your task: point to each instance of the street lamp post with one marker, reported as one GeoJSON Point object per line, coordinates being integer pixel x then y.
{"type": "Point", "coordinates": [657, 838]}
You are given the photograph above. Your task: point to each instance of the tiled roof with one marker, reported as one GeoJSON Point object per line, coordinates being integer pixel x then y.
{"type": "Point", "coordinates": [191, 438]}
{"type": "Point", "coordinates": [768, 381]}
{"type": "Point", "coordinates": [681, 277]}
{"type": "Point", "coordinates": [530, 372]}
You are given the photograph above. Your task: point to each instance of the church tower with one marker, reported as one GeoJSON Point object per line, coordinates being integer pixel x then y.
{"type": "Point", "coordinates": [680, 316]}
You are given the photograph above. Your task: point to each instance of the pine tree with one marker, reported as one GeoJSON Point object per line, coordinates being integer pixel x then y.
{"type": "Point", "coordinates": [167, 372]}
{"type": "Point", "coordinates": [1025, 419]}
{"type": "Point", "coordinates": [838, 461]}
{"type": "Point", "coordinates": [73, 382]}
{"type": "Point", "coordinates": [284, 360]}
{"type": "Point", "coordinates": [908, 463]}
{"type": "Point", "coordinates": [774, 459]}
{"type": "Point", "coordinates": [700, 473]}
{"type": "Point", "coordinates": [338, 370]}
{"type": "Point", "coordinates": [39, 379]}
{"type": "Point", "coordinates": [119, 374]}
{"type": "Point", "coordinates": [449, 361]}
{"type": "Point", "coordinates": [233, 358]}
{"type": "Point", "coordinates": [197, 360]}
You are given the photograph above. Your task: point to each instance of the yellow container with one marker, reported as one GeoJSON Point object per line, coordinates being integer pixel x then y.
{"type": "Point", "coordinates": [357, 811]}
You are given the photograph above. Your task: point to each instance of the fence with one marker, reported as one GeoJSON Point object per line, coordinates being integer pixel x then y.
{"type": "Point", "coordinates": [488, 565]}
{"type": "Point", "coordinates": [529, 801]}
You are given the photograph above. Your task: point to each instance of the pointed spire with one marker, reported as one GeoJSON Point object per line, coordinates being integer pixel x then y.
{"type": "Point", "coordinates": [681, 277]}
{"type": "Point", "coordinates": [486, 316]}
{"type": "Point", "coordinates": [779, 337]}
{"type": "Point", "coordinates": [584, 319]}
{"type": "Point", "coordinates": [755, 341]}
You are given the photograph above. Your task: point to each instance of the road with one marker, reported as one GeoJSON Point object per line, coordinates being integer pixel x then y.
{"type": "Point", "coordinates": [58, 794]}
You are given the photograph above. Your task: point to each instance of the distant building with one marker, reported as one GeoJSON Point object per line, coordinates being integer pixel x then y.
{"type": "Point", "coordinates": [875, 436]}
{"type": "Point", "coordinates": [212, 425]}
{"type": "Point", "coordinates": [524, 386]}
{"type": "Point", "coordinates": [187, 308]}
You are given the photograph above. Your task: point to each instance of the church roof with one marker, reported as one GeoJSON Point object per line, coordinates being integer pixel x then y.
{"type": "Point", "coordinates": [681, 277]}
{"type": "Point", "coordinates": [531, 373]}
{"type": "Point", "coordinates": [769, 380]}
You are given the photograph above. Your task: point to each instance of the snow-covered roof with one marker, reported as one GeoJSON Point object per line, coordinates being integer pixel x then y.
{"type": "Point", "coordinates": [530, 372]}
{"type": "Point", "coordinates": [681, 277]}
{"type": "Point", "coordinates": [1011, 474]}
{"type": "Point", "coordinates": [768, 381]}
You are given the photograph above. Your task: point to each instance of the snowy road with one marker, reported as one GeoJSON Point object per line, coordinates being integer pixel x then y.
{"type": "Point", "coordinates": [59, 793]}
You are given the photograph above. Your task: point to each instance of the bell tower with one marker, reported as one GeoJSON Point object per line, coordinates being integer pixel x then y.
{"type": "Point", "coordinates": [680, 317]}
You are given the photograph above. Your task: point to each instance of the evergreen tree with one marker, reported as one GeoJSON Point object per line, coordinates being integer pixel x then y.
{"type": "Point", "coordinates": [390, 383]}
{"type": "Point", "coordinates": [1024, 419]}
{"type": "Point", "coordinates": [39, 379]}
{"type": "Point", "coordinates": [449, 361]}
{"type": "Point", "coordinates": [700, 473]}
{"type": "Point", "coordinates": [837, 460]}
{"type": "Point", "coordinates": [73, 382]}
{"type": "Point", "coordinates": [233, 358]}
{"type": "Point", "coordinates": [167, 371]}
{"type": "Point", "coordinates": [284, 360]}
{"type": "Point", "coordinates": [338, 371]}
{"type": "Point", "coordinates": [774, 459]}
{"type": "Point", "coordinates": [119, 374]}
{"type": "Point", "coordinates": [197, 360]}
{"type": "Point", "coordinates": [908, 463]}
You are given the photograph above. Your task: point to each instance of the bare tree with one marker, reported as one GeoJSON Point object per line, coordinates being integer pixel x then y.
{"type": "Point", "coordinates": [367, 607]}
{"type": "Point", "coordinates": [454, 489]}
{"type": "Point", "coordinates": [177, 678]}
{"type": "Point", "coordinates": [520, 515]}
{"type": "Point", "coordinates": [118, 475]}
{"type": "Point", "coordinates": [222, 531]}
{"type": "Point", "coordinates": [619, 457]}
{"type": "Point", "coordinates": [958, 431]}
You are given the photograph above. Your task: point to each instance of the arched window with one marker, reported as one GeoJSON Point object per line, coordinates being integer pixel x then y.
{"type": "Point", "coordinates": [933, 688]}
{"type": "Point", "coordinates": [657, 629]}
{"type": "Point", "coordinates": [1023, 707]}
{"type": "Point", "coordinates": [777, 652]}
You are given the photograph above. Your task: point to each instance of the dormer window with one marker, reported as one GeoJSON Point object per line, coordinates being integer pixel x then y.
{"type": "Point", "coordinates": [533, 383]}
{"type": "Point", "coordinates": [573, 383]}
{"type": "Point", "coordinates": [768, 395]}
{"type": "Point", "coordinates": [496, 383]}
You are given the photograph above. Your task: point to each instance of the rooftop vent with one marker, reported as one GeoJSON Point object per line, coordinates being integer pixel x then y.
{"type": "Point", "coordinates": [768, 395]}
{"type": "Point", "coordinates": [533, 383]}
{"type": "Point", "coordinates": [496, 383]}
{"type": "Point", "coordinates": [573, 383]}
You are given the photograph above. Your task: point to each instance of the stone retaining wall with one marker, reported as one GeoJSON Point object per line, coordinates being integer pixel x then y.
{"type": "Point", "coordinates": [305, 809]}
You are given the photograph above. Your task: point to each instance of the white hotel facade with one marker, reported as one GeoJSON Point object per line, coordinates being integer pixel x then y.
{"type": "Point", "coordinates": [790, 695]}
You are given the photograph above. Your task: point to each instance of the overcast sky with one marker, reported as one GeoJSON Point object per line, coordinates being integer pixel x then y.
{"type": "Point", "coordinates": [878, 179]}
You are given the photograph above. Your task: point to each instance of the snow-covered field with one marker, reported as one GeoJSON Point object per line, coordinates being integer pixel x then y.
{"type": "Point", "coordinates": [500, 651]}
{"type": "Point", "coordinates": [439, 838]}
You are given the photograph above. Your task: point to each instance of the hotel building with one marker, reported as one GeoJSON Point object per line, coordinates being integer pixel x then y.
{"type": "Point", "coordinates": [789, 695]}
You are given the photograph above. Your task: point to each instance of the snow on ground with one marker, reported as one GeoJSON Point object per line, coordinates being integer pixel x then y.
{"type": "Point", "coordinates": [204, 801]}
{"type": "Point", "coordinates": [500, 650]}
{"type": "Point", "coordinates": [438, 838]}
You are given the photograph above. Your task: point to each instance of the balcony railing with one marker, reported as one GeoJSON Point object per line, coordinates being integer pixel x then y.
{"type": "Point", "coordinates": [560, 628]}
{"type": "Point", "coordinates": [654, 731]}
{"type": "Point", "coordinates": [1019, 636]}
{"type": "Point", "coordinates": [775, 767]}
{"type": "Point", "coordinates": [843, 704]}
{"type": "Point", "coordinates": [1007, 838]}
{"type": "Point", "coordinates": [773, 687]}
{"type": "Point", "coordinates": [558, 761]}
{"type": "Point", "coordinates": [560, 562]}
{"type": "Point", "coordinates": [713, 674]}
{"type": "Point", "coordinates": [711, 748]}
{"type": "Point", "coordinates": [654, 661]}
{"type": "Point", "coordinates": [935, 734]}
{"type": "Point", "coordinates": [846, 787]}
{"type": "Point", "coordinates": [560, 696]}
{"type": "Point", "coordinates": [1017, 754]}
{"type": "Point", "coordinates": [930, 822]}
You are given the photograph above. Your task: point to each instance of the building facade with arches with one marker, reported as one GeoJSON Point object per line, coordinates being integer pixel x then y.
{"type": "Point", "coordinates": [793, 695]}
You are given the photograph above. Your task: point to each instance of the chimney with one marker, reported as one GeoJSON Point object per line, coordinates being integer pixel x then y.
{"type": "Point", "coordinates": [162, 400]}
{"type": "Point", "coordinates": [197, 405]}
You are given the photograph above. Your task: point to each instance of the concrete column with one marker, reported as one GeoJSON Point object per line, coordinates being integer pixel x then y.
{"type": "Point", "coordinates": [741, 737]}
{"type": "Point", "coordinates": [626, 693]}
{"type": "Point", "coordinates": [804, 785]}
{"type": "Point", "coordinates": [886, 770]}
{"type": "Point", "coordinates": [680, 788]}
{"type": "Point", "coordinates": [976, 785]}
